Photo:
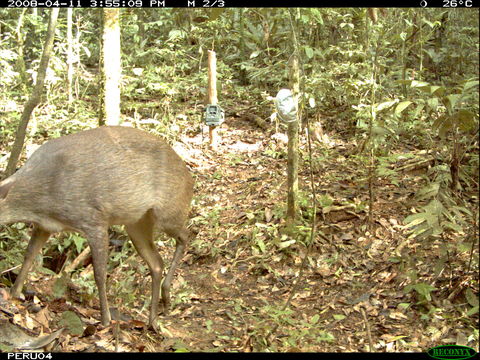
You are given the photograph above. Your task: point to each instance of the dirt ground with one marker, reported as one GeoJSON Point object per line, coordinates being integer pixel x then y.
{"type": "Point", "coordinates": [237, 274]}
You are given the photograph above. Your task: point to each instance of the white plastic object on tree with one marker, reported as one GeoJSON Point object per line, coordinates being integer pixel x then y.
{"type": "Point", "coordinates": [286, 106]}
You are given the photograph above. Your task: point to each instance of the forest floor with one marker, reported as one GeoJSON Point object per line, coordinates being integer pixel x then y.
{"type": "Point", "coordinates": [237, 274]}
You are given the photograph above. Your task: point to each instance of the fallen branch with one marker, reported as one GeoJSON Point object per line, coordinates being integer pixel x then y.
{"type": "Point", "coordinates": [78, 260]}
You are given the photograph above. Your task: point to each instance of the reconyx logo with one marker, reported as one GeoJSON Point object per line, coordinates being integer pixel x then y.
{"type": "Point", "coordinates": [448, 352]}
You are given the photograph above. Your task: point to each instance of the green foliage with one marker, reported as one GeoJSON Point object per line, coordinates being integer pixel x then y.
{"type": "Point", "coordinates": [297, 334]}
{"type": "Point", "coordinates": [422, 289]}
{"type": "Point", "coordinates": [72, 322]}
{"type": "Point", "coordinates": [434, 217]}
{"type": "Point", "coordinates": [235, 159]}
{"type": "Point", "coordinates": [452, 112]}
{"type": "Point", "coordinates": [472, 301]}
{"type": "Point", "coordinates": [60, 286]}
{"type": "Point", "coordinates": [9, 75]}
{"type": "Point", "coordinates": [386, 169]}
{"type": "Point", "coordinates": [273, 152]}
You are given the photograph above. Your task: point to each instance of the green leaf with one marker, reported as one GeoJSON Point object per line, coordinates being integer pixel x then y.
{"type": "Point", "coordinates": [428, 191]}
{"type": "Point", "coordinates": [215, 13]}
{"type": "Point", "coordinates": [60, 286]}
{"type": "Point", "coordinates": [461, 209]}
{"type": "Point", "coordinates": [432, 219]}
{"type": "Point", "coordinates": [471, 297]}
{"type": "Point", "coordinates": [452, 226]}
{"type": "Point", "coordinates": [418, 110]}
{"type": "Point", "coordinates": [437, 90]}
{"type": "Point", "coordinates": [261, 245]}
{"type": "Point", "coordinates": [317, 15]}
{"type": "Point", "coordinates": [438, 123]}
{"type": "Point", "coordinates": [78, 241]}
{"type": "Point", "coordinates": [435, 207]}
{"type": "Point", "coordinates": [314, 319]}
{"type": "Point", "coordinates": [439, 265]}
{"type": "Point", "coordinates": [472, 311]}
{"type": "Point", "coordinates": [385, 105]}
{"type": "Point", "coordinates": [446, 125]}
{"type": "Point", "coordinates": [451, 101]}
{"type": "Point", "coordinates": [464, 246]}
{"type": "Point", "coordinates": [424, 290]}
{"type": "Point", "coordinates": [325, 200]}
{"type": "Point", "coordinates": [47, 271]}
{"type": "Point", "coordinates": [465, 120]}
{"type": "Point", "coordinates": [422, 230]}
{"type": "Point", "coordinates": [72, 322]}
{"type": "Point", "coordinates": [470, 84]}
{"type": "Point", "coordinates": [431, 24]}
{"type": "Point", "coordinates": [416, 83]}
{"type": "Point", "coordinates": [285, 244]}
{"type": "Point", "coordinates": [404, 82]}
{"type": "Point", "coordinates": [414, 220]}
{"type": "Point", "coordinates": [176, 34]}
{"type": "Point", "coordinates": [432, 103]}
{"type": "Point", "coordinates": [6, 348]}
{"type": "Point", "coordinates": [308, 52]}
{"type": "Point", "coordinates": [402, 106]}
{"type": "Point", "coordinates": [338, 316]}
{"type": "Point", "coordinates": [379, 131]}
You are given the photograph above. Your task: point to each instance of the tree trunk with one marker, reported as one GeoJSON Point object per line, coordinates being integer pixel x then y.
{"type": "Point", "coordinates": [212, 95]}
{"type": "Point", "coordinates": [292, 166]}
{"type": "Point", "coordinates": [20, 63]}
{"type": "Point", "coordinates": [111, 69]}
{"type": "Point", "coordinates": [69, 56]}
{"type": "Point", "coordinates": [35, 97]}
